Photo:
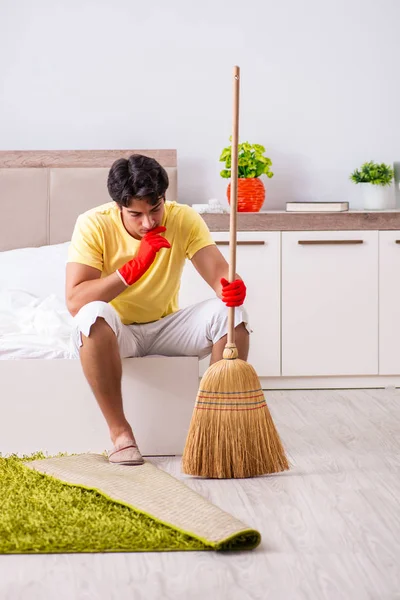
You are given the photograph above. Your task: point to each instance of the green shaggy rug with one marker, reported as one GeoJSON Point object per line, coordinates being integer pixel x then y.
{"type": "Point", "coordinates": [82, 503]}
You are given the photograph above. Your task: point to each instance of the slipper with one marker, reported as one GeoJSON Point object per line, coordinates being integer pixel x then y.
{"type": "Point", "coordinates": [127, 454]}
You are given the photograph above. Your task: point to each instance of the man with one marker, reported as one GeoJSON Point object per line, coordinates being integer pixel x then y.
{"type": "Point", "coordinates": [123, 275]}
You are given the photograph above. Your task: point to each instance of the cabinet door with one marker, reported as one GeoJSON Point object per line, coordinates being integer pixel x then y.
{"type": "Point", "coordinates": [389, 302]}
{"type": "Point", "coordinates": [258, 263]}
{"type": "Point", "coordinates": [329, 303]}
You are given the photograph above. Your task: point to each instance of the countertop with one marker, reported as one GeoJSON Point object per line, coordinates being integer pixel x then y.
{"type": "Point", "coordinates": [307, 221]}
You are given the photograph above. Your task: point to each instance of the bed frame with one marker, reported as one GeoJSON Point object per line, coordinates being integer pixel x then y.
{"type": "Point", "coordinates": [47, 404]}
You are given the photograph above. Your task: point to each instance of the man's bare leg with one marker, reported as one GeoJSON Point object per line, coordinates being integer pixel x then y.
{"type": "Point", "coordinates": [241, 341]}
{"type": "Point", "coordinates": [102, 367]}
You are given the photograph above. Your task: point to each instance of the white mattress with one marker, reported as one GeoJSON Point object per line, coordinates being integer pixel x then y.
{"type": "Point", "coordinates": [34, 321]}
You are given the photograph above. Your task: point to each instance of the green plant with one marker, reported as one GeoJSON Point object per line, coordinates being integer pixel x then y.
{"type": "Point", "coordinates": [371, 172]}
{"type": "Point", "coordinates": [251, 162]}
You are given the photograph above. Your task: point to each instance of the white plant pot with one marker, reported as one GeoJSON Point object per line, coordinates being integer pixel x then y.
{"type": "Point", "coordinates": [376, 197]}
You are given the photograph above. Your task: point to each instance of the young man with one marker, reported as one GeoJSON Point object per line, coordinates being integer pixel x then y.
{"type": "Point", "coordinates": [123, 275]}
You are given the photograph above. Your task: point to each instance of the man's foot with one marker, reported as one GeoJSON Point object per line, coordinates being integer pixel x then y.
{"type": "Point", "coordinates": [122, 434]}
{"type": "Point", "coordinates": [125, 450]}
{"type": "Point", "coordinates": [126, 454]}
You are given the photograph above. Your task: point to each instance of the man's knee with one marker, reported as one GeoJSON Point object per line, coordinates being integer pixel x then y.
{"type": "Point", "coordinates": [219, 319]}
{"type": "Point", "coordinates": [241, 328]}
{"type": "Point", "coordinates": [94, 317]}
{"type": "Point", "coordinates": [99, 327]}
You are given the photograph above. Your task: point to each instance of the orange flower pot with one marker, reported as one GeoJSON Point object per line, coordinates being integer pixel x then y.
{"type": "Point", "coordinates": [250, 196]}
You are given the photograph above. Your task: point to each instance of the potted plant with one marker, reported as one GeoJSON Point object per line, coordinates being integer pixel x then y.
{"type": "Point", "coordinates": [251, 165]}
{"type": "Point", "coordinates": [374, 179]}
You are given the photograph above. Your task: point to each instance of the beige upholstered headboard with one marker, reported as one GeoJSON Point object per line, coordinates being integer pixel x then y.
{"type": "Point", "coordinates": [43, 192]}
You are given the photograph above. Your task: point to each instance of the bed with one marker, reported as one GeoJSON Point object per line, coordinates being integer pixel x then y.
{"type": "Point", "coordinates": [45, 402]}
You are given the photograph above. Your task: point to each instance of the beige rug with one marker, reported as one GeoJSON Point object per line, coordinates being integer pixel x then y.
{"type": "Point", "coordinates": [155, 493]}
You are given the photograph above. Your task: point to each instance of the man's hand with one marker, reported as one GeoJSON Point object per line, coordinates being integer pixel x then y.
{"type": "Point", "coordinates": [150, 244]}
{"type": "Point", "coordinates": [233, 294]}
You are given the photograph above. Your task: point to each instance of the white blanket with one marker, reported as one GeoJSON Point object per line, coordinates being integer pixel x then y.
{"type": "Point", "coordinates": [32, 327]}
{"type": "Point", "coordinates": [34, 321]}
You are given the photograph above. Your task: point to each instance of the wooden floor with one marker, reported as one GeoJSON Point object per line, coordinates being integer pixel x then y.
{"type": "Point", "coordinates": [330, 526]}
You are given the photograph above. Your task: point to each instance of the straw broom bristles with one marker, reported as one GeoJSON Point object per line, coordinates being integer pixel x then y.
{"type": "Point", "coordinates": [232, 433]}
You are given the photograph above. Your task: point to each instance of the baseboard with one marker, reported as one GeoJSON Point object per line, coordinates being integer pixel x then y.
{"type": "Point", "coordinates": [312, 383]}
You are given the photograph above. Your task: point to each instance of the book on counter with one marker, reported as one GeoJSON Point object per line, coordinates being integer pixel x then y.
{"type": "Point", "coordinates": [317, 206]}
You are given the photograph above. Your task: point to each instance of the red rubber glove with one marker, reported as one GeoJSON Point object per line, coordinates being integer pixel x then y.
{"type": "Point", "coordinates": [150, 244]}
{"type": "Point", "coordinates": [233, 294]}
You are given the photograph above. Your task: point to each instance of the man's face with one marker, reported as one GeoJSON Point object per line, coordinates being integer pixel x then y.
{"type": "Point", "coordinates": [140, 216]}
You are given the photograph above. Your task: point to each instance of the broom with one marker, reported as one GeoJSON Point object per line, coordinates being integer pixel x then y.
{"type": "Point", "coordinates": [232, 433]}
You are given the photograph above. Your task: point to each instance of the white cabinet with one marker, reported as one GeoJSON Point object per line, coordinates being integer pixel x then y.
{"type": "Point", "coordinates": [389, 302]}
{"type": "Point", "coordinates": [330, 303]}
{"type": "Point", "coordinates": [258, 263]}
{"type": "Point", "coordinates": [320, 303]}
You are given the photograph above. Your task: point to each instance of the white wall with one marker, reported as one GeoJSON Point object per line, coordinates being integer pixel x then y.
{"type": "Point", "coordinates": [320, 84]}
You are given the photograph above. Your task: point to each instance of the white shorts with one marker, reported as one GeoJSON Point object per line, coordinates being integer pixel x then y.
{"type": "Point", "coordinates": [191, 331]}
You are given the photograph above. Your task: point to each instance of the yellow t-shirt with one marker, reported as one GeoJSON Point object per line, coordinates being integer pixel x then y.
{"type": "Point", "coordinates": [100, 240]}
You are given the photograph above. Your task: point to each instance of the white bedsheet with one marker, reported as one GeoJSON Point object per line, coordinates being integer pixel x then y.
{"type": "Point", "coordinates": [34, 321]}
{"type": "Point", "coordinates": [32, 327]}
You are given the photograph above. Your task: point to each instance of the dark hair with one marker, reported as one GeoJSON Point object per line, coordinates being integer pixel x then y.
{"type": "Point", "coordinates": [138, 177]}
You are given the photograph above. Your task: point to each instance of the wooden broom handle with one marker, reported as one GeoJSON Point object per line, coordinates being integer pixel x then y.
{"type": "Point", "coordinates": [233, 200]}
